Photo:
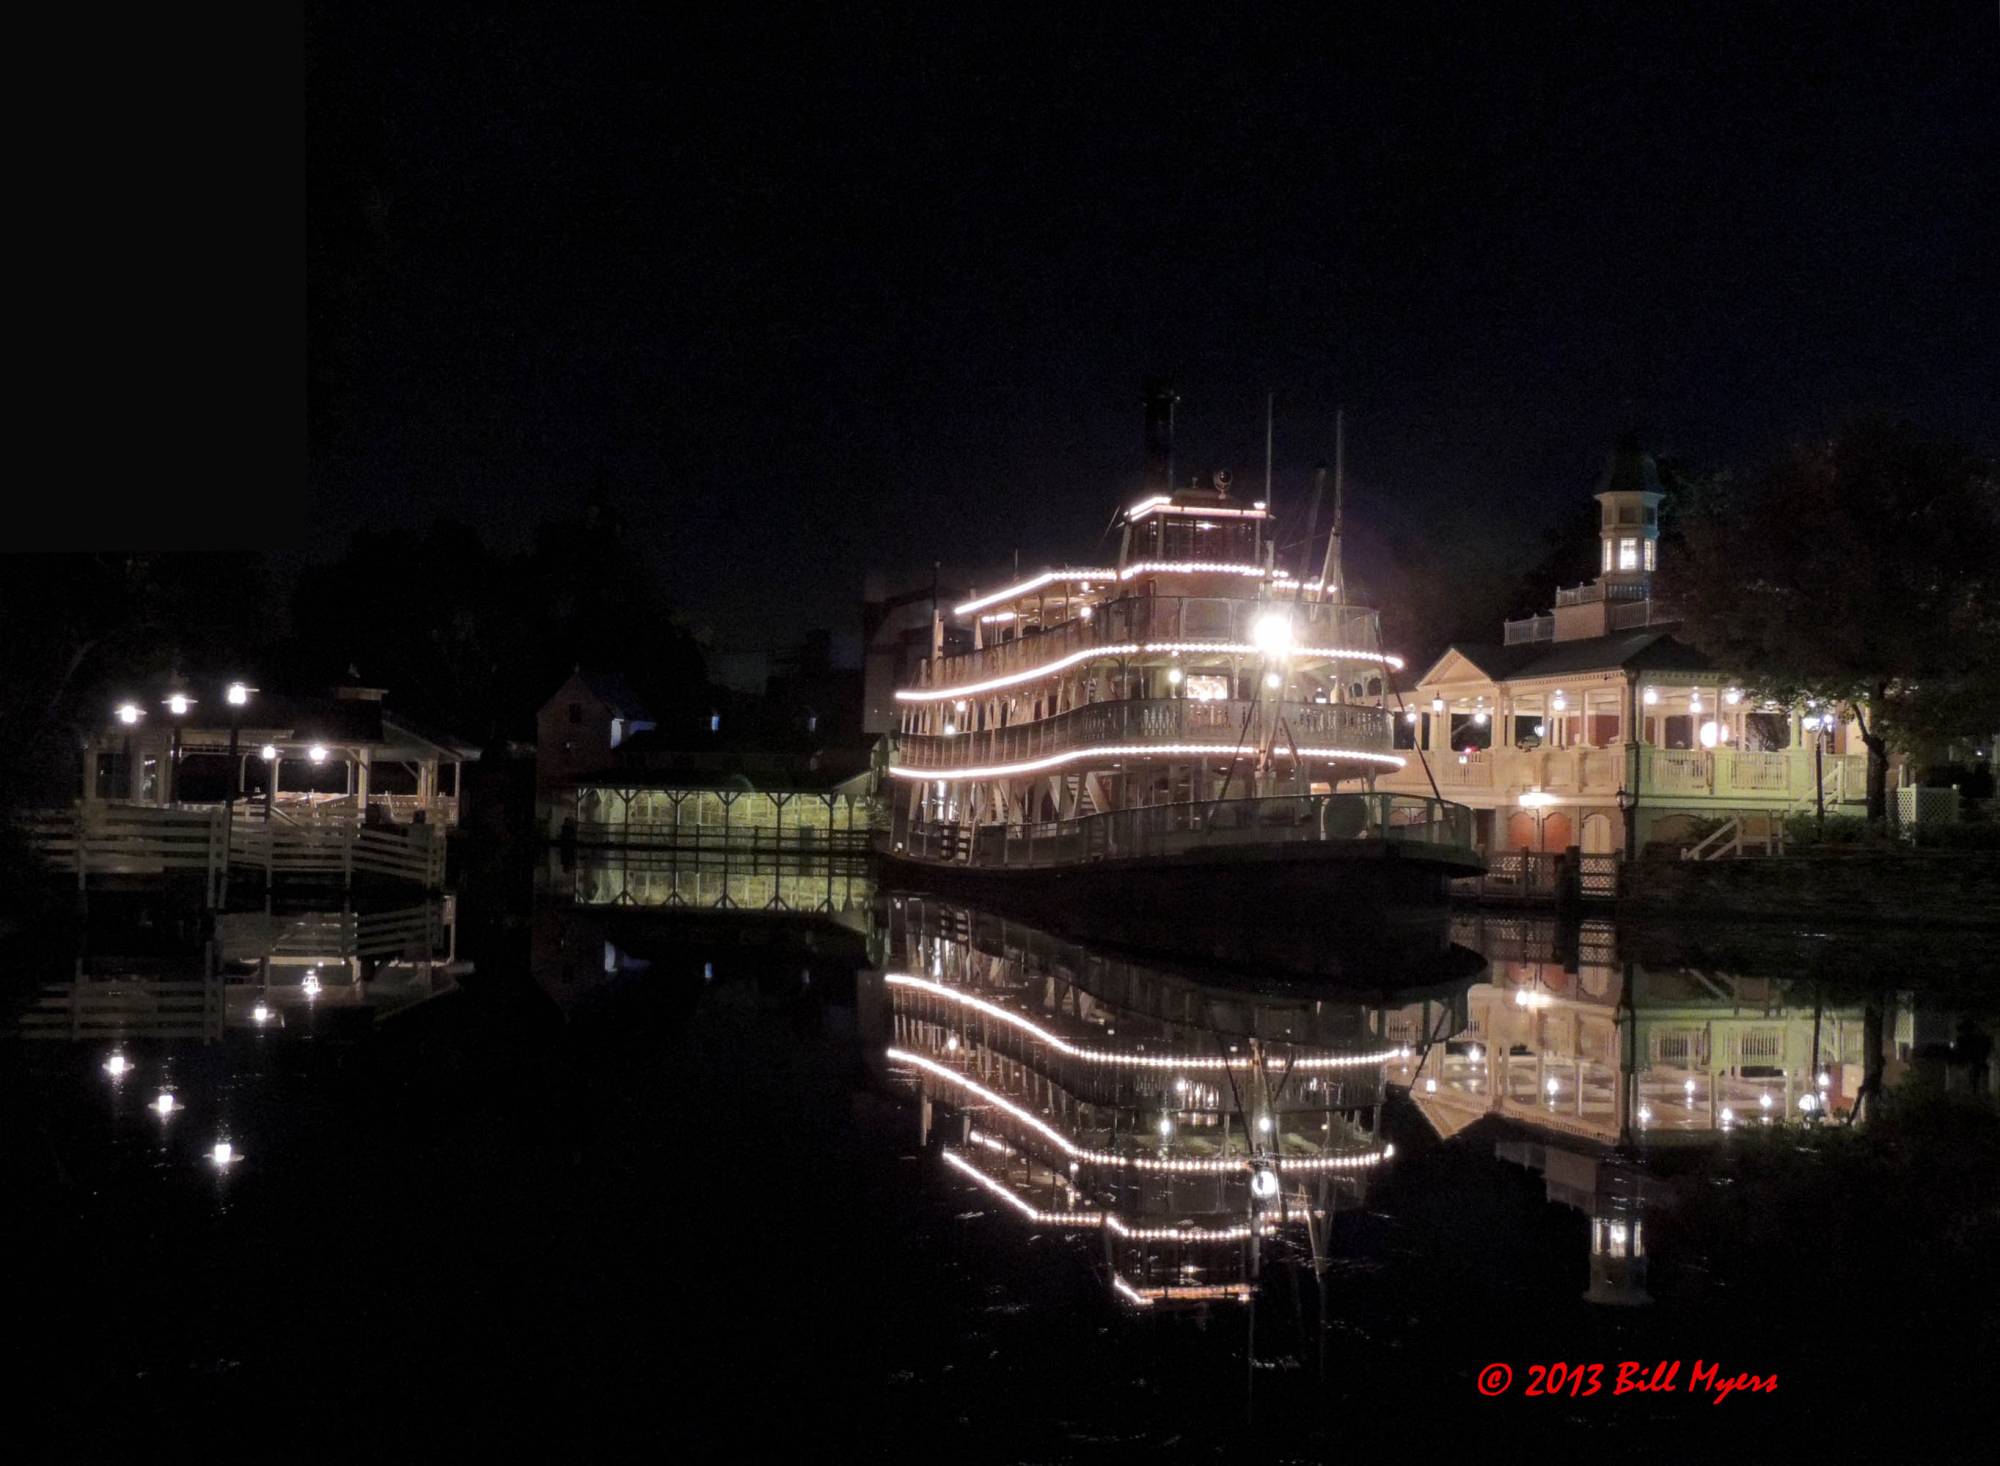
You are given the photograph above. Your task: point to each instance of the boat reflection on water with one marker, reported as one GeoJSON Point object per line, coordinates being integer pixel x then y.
{"type": "Point", "coordinates": [1194, 1127]}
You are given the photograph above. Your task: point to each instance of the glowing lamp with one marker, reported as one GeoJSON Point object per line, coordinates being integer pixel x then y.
{"type": "Point", "coordinates": [1728, 1115]}
{"type": "Point", "coordinates": [951, 1043]}
{"type": "Point", "coordinates": [1263, 1183]}
{"type": "Point", "coordinates": [117, 1066]}
{"type": "Point", "coordinates": [1711, 734]}
{"type": "Point", "coordinates": [1541, 730]}
{"type": "Point", "coordinates": [1410, 716]}
{"type": "Point", "coordinates": [1437, 704]}
{"type": "Point", "coordinates": [224, 1155]}
{"type": "Point", "coordinates": [1552, 1086]}
{"type": "Point", "coordinates": [1430, 1086]}
{"type": "Point", "coordinates": [1272, 635]}
{"type": "Point", "coordinates": [238, 694]}
{"type": "Point", "coordinates": [317, 753]}
{"type": "Point", "coordinates": [1687, 1088]}
{"type": "Point", "coordinates": [1273, 681]}
{"type": "Point", "coordinates": [164, 1104]}
{"type": "Point", "coordinates": [260, 1014]}
{"type": "Point", "coordinates": [1645, 1114]}
{"type": "Point", "coordinates": [129, 713]}
{"type": "Point", "coordinates": [1175, 676]}
{"type": "Point", "coordinates": [1264, 1124]}
{"type": "Point", "coordinates": [1808, 1102]}
{"type": "Point", "coordinates": [178, 703]}
{"type": "Point", "coordinates": [1480, 719]}
{"type": "Point", "coordinates": [269, 753]}
{"type": "Point", "coordinates": [1732, 695]}
{"type": "Point", "coordinates": [1559, 702]}
{"type": "Point", "coordinates": [1166, 1126]}
{"type": "Point", "coordinates": [1652, 696]}
{"type": "Point", "coordinates": [1764, 1101]}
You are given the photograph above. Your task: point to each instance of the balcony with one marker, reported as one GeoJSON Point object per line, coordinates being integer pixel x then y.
{"type": "Point", "coordinates": [1169, 723]}
{"type": "Point", "coordinates": [1530, 629]}
{"type": "Point", "coordinates": [1601, 590]}
{"type": "Point", "coordinates": [1156, 621]}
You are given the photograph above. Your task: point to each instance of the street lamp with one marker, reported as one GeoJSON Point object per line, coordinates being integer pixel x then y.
{"type": "Point", "coordinates": [177, 704]}
{"type": "Point", "coordinates": [237, 695]}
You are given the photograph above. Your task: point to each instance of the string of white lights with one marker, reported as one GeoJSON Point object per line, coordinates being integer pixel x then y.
{"type": "Point", "coordinates": [1108, 1221]}
{"type": "Point", "coordinates": [1190, 1062]}
{"type": "Point", "coordinates": [1160, 504]}
{"type": "Point", "coordinates": [1181, 1165]}
{"type": "Point", "coordinates": [1131, 648]}
{"type": "Point", "coordinates": [1138, 750]}
{"type": "Point", "coordinates": [1033, 582]}
{"type": "Point", "coordinates": [1147, 1297]}
{"type": "Point", "coordinates": [1187, 567]}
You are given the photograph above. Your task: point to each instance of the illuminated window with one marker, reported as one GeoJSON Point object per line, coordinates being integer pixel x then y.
{"type": "Point", "coordinates": [1607, 554]}
{"type": "Point", "coordinates": [1651, 556]}
{"type": "Point", "coordinates": [1628, 553]}
{"type": "Point", "coordinates": [1208, 688]}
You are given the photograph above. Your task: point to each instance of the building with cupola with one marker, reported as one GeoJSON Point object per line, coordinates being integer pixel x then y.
{"type": "Point", "coordinates": [1594, 725]}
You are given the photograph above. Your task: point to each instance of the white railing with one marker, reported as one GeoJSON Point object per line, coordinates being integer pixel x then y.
{"type": "Point", "coordinates": [101, 839]}
{"type": "Point", "coordinates": [1138, 722]}
{"type": "Point", "coordinates": [1160, 619]}
{"type": "Point", "coordinates": [121, 1008]}
{"type": "Point", "coordinates": [1746, 777]}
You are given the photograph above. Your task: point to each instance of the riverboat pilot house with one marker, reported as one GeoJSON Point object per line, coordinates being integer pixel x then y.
{"type": "Point", "coordinates": [1595, 726]}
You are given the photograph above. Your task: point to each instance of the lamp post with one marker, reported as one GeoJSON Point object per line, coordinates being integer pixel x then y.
{"type": "Point", "coordinates": [237, 695]}
{"type": "Point", "coordinates": [1628, 807]}
{"type": "Point", "coordinates": [129, 714]}
{"type": "Point", "coordinates": [177, 704]}
{"type": "Point", "coordinates": [1815, 724]}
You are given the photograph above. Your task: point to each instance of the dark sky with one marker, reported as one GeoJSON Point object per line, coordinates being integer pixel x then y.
{"type": "Point", "coordinates": [823, 291]}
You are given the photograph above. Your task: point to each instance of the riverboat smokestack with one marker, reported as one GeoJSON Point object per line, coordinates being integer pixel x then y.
{"type": "Point", "coordinates": [1160, 400]}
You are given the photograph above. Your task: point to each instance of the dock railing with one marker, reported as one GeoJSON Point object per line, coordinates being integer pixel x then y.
{"type": "Point", "coordinates": [1180, 829]}
{"type": "Point", "coordinates": [102, 839]}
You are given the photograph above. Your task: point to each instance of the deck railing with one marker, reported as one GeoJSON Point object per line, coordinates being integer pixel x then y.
{"type": "Point", "coordinates": [1181, 829]}
{"type": "Point", "coordinates": [1156, 620]}
{"type": "Point", "coordinates": [1141, 721]}
{"type": "Point", "coordinates": [102, 839]}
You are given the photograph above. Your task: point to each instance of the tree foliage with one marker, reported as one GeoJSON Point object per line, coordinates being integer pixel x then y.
{"type": "Point", "coordinates": [1862, 571]}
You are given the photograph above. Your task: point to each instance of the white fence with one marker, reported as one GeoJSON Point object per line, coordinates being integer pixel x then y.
{"type": "Point", "coordinates": [101, 840]}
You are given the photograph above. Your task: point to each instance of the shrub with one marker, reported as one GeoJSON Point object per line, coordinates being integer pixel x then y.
{"type": "Point", "coordinates": [1981, 835]}
{"type": "Point", "coordinates": [1803, 831]}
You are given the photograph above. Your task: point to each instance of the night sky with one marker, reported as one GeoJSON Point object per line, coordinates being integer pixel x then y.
{"type": "Point", "coordinates": [819, 292]}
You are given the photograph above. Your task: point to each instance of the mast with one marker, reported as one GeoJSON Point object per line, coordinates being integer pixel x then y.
{"type": "Point", "coordinates": [1331, 573]}
{"type": "Point", "coordinates": [1270, 406]}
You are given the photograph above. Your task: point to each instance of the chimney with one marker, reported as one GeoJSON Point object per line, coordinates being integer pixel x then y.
{"type": "Point", "coordinates": [1160, 400]}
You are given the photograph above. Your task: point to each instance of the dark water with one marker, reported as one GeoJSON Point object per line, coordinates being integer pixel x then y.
{"type": "Point", "coordinates": [631, 1174]}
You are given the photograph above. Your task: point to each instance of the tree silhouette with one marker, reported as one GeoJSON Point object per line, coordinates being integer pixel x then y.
{"type": "Point", "coordinates": [1862, 571]}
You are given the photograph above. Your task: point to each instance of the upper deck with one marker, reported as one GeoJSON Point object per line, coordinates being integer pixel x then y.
{"type": "Point", "coordinates": [1149, 618]}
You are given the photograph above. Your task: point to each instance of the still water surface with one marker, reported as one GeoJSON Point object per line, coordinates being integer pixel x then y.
{"type": "Point", "coordinates": [719, 1162]}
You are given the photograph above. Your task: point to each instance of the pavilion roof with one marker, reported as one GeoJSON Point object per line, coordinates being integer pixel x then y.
{"type": "Point", "coordinates": [1648, 649]}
